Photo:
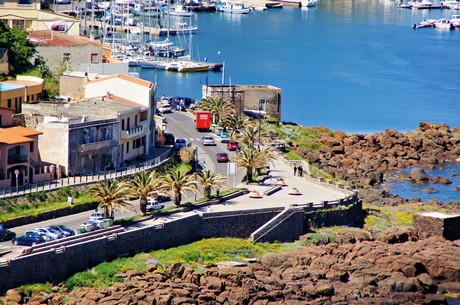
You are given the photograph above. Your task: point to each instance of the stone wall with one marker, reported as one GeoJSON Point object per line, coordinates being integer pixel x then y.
{"type": "Point", "coordinates": [286, 227]}
{"type": "Point", "coordinates": [332, 217]}
{"type": "Point", "coordinates": [57, 264]}
{"type": "Point", "coordinates": [437, 224]}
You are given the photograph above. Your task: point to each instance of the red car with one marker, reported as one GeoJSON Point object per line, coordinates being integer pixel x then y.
{"type": "Point", "coordinates": [222, 157]}
{"type": "Point", "coordinates": [232, 145]}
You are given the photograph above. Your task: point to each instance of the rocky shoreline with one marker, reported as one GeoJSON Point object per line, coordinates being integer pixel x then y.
{"type": "Point", "coordinates": [390, 267]}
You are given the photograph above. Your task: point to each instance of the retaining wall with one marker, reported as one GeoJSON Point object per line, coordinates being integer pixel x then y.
{"type": "Point", "coordinates": [287, 226]}
{"type": "Point", "coordinates": [437, 224]}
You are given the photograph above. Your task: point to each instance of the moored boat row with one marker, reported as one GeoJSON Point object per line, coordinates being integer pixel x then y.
{"type": "Point", "coordinates": [442, 23]}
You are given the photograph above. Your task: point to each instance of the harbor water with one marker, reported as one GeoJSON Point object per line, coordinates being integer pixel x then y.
{"type": "Point", "coordinates": [355, 66]}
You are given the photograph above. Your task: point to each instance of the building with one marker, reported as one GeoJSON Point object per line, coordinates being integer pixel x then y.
{"type": "Point", "coordinates": [90, 135]}
{"type": "Point", "coordinates": [253, 100]}
{"type": "Point", "coordinates": [127, 88]}
{"type": "Point", "coordinates": [28, 15]}
{"type": "Point", "coordinates": [72, 51]}
{"type": "Point", "coordinates": [19, 156]}
{"type": "Point", "coordinates": [24, 89]}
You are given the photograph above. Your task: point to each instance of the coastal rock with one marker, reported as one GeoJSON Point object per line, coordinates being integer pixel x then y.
{"type": "Point", "coordinates": [441, 180]}
{"type": "Point", "coordinates": [418, 175]}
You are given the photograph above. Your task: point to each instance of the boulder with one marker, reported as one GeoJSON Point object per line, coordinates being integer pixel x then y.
{"type": "Point", "coordinates": [418, 175]}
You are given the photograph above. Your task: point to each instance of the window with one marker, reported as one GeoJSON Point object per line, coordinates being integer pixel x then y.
{"type": "Point", "coordinates": [135, 120]}
{"type": "Point", "coordinates": [19, 24]}
{"type": "Point", "coordinates": [94, 58]}
{"type": "Point", "coordinates": [9, 103]}
{"type": "Point", "coordinates": [66, 57]}
{"type": "Point", "coordinates": [25, 2]}
{"type": "Point", "coordinates": [123, 124]}
{"type": "Point", "coordinates": [32, 146]}
{"type": "Point", "coordinates": [2, 2]}
{"type": "Point", "coordinates": [127, 147]}
{"type": "Point", "coordinates": [262, 103]}
{"type": "Point", "coordinates": [127, 127]}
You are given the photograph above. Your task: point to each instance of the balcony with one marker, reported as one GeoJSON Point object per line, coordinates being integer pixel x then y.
{"type": "Point", "coordinates": [139, 130]}
{"type": "Point", "coordinates": [95, 146]}
{"type": "Point", "coordinates": [18, 159]}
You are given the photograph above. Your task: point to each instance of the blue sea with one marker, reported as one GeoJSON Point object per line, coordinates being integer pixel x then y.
{"type": "Point", "coordinates": [355, 66]}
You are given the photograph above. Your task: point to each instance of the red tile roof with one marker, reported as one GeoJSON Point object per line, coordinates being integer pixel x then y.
{"type": "Point", "coordinates": [17, 135]}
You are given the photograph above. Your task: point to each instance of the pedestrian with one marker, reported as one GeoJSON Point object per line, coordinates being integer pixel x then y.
{"type": "Point", "coordinates": [218, 192]}
{"type": "Point", "coordinates": [208, 209]}
{"type": "Point", "coordinates": [295, 169]}
{"type": "Point", "coordinates": [300, 170]}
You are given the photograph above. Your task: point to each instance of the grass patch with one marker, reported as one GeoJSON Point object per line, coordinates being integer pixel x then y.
{"type": "Point", "coordinates": [206, 251]}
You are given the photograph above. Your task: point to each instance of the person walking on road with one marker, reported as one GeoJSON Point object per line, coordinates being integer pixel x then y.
{"type": "Point", "coordinates": [295, 169]}
{"type": "Point", "coordinates": [300, 170]}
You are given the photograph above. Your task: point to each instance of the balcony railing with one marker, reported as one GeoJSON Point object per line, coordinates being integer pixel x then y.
{"type": "Point", "coordinates": [18, 159]}
{"type": "Point", "coordinates": [96, 145]}
{"type": "Point", "coordinates": [137, 131]}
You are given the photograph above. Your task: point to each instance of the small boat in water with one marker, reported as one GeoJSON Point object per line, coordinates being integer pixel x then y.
{"type": "Point", "coordinates": [455, 20]}
{"type": "Point", "coordinates": [308, 3]}
{"type": "Point", "coordinates": [444, 24]}
{"type": "Point", "coordinates": [232, 7]}
{"type": "Point", "coordinates": [179, 10]}
{"type": "Point", "coordinates": [187, 66]}
{"type": "Point", "coordinates": [427, 23]}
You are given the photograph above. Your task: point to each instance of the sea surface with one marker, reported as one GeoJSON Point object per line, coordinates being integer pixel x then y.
{"type": "Point", "coordinates": [355, 66]}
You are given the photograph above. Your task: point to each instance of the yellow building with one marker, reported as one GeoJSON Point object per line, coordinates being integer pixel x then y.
{"type": "Point", "coordinates": [27, 15]}
{"type": "Point", "coordinates": [24, 89]}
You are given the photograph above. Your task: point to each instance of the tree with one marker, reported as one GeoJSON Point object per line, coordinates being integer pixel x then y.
{"type": "Point", "coordinates": [209, 180]}
{"type": "Point", "coordinates": [20, 49]}
{"type": "Point", "coordinates": [252, 158]}
{"type": "Point", "coordinates": [187, 154]}
{"type": "Point", "coordinates": [145, 185]}
{"type": "Point", "coordinates": [218, 108]}
{"type": "Point", "coordinates": [179, 182]}
{"type": "Point", "coordinates": [112, 194]}
{"type": "Point", "coordinates": [237, 123]}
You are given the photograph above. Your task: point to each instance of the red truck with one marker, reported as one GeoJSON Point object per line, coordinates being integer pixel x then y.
{"type": "Point", "coordinates": [203, 120]}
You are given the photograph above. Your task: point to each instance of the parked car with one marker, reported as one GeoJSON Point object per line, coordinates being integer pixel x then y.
{"type": "Point", "coordinates": [63, 229]}
{"type": "Point", "coordinates": [180, 143]}
{"type": "Point", "coordinates": [185, 100]}
{"type": "Point", "coordinates": [169, 138]}
{"type": "Point", "coordinates": [166, 108]}
{"type": "Point", "coordinates": [89, 226]}
{"type": "Point", "coordinates": [28, 239]}
{"type": "Point", "coordinates": [97, 216]}
{"type": "Point", "coordinates": [181, 107]}
{"type": "Point", "coordinates": [232, 145]}
{"type": "Point", "coordinates": [222, 157]}
{"type": "Point", "coordinates": [208, 140]}
{"type": "Point", "coordinates": [55, 234]}
{"type": "Point", "coordinates": [224, 137]}
{"type": "Point", "coordinates": [45, 236]}
{"type": "Point", "coordinates": [6, 234]}
{"type": "Point", "coordinates": [153, 205]}
{"type": "Point", "coordinates": [162, 198]}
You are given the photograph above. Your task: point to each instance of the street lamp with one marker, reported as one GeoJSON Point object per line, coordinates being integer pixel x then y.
{"type": "Point", "coordinates": [223, 76]}
{"type": "Point", "coordinates": [16, 172]}
{"type": "Point", "coordinates": [261, 104]}
{"type": "Point", "coordinates": [196, 165]}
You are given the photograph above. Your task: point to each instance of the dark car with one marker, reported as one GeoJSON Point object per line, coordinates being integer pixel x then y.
{"type": "Point", "coordinates": [28, 239]}
{"type": "Point", "coordinates": [222, 157]}
{"type": "Point", "coordinates": [162, 198]}
{"type": "Point", "coordinates": [169, 138]}
{"type": "Point", "coordinates": [184, 100]}
{"type": "Point", "coordinates": [6, 234]}
{"type": "Point", "coordinates": [63, 229]}
{"type": "Point", "coordinates": [232, 145]}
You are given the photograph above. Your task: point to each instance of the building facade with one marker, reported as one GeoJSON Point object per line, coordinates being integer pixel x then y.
{"type": "Point", "coordinates": [24, 89]}
{"type": "Point", "coordinates": [253, 100]}
{"type": "Point", "coordinates": [28, 15]}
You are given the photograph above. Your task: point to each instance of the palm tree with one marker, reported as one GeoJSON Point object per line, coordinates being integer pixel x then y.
{"type": "Point", "coordinates": [237, 123]}
{"type": "Point", "coordinates": [254, 157]}
{"type": "Point", "coordinates": [113, 194]}
{"type": "Point", "coordinates": [209, 180]}
{"type": "Point", "coordinates": [218, 108]}
{"type": "Point", "coordinates": [145, 185]}
{"type": "Point", "coordinates": [179, 182]}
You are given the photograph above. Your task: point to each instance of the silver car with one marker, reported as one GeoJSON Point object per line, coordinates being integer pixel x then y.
{"type": "Point", "coordinates": [208, 141]}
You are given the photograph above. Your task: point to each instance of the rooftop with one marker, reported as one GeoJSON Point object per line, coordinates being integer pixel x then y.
{"type": "Point", "coordinates": [17, 134]}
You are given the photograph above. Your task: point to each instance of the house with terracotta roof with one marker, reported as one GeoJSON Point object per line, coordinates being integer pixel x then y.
{"type": "Point", "coordinates": [19, 155]}
{"type": "Point", "coordinates": [24, 89]}
{"type": "Point", "coordinates": [28, 15]}
{"type": "Point", "coordinates": [60, 48]}
{"type": "Point", "coordinates": [90, 135]}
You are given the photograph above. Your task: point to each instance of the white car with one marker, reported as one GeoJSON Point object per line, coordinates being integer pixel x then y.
{"type": "Point", "coordinates": [48, 231]}
{"type": "Point", "coordinates": [166, 108]}
{"type": "Point", "coordinates": [153, 205]}
{"type": "Point", "coordinates": [97, 216]}
{"type": "Point", "coordinates": [208, 140]}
